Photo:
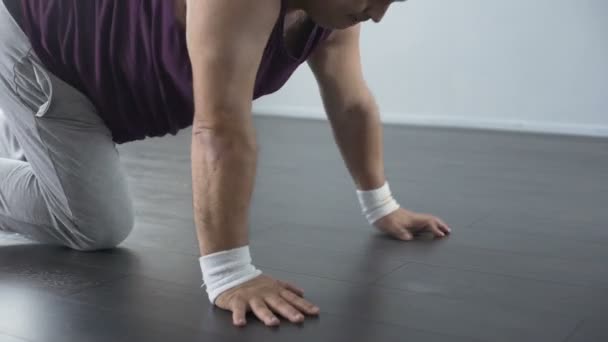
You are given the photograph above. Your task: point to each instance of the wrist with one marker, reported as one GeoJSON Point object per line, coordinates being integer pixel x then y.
{"type": "Point", "coordinates": [226, 269]}
{"type": "Point", "coordinates": [377, 203]}
{"type": "Point", "coordinates": [370, 183]}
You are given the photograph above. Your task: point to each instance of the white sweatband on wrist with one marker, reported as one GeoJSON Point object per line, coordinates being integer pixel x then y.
{"type": "Point", "coordinates": [226, 269]}
{"type": "Point", "coordinates": [375, 204]}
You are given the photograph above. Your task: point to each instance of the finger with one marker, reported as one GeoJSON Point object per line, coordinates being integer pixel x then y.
{"type": "Point", "coordinates": [292, 287]}
{"type": "Point", "coordinates": [281, 306]}
{"type": "Point", "coordinates": [239, 309]}
{"type": "Point", "coordinates": [435, 229]}
{"type": "Point", "coordinates": [405, 235]}
{"type": "Point", "coordinates": [258, 306]}
{"type": "Point", "coordinates": [300, 303]}
{"type": "Point", "coordinates": [444, 226]}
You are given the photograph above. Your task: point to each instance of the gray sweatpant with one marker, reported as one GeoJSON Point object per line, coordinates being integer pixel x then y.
{"type": "Point", "coordinates": [72, 190]}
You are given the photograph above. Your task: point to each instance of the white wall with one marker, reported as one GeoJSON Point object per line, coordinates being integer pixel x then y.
{"type": "Point", "coordinates": [531, 65]}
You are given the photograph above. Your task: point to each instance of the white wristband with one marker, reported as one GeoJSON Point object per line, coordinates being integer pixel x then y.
{"type": "Point", "coordinates": [375, 204]}
{"type": "Point", "coordinates": [226, 269]}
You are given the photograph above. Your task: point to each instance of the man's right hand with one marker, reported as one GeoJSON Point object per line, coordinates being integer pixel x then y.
{"type": "Point", "coordinates": [263, 295]}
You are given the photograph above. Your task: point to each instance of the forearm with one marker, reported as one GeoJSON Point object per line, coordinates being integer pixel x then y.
{"type": "Point", "coordinates": [358, 133]}
{"type": "Point", "coordinates": [223, 174]}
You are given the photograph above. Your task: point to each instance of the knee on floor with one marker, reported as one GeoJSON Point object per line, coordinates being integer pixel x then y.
{"type": "Point", "coordinates": [105, 233]}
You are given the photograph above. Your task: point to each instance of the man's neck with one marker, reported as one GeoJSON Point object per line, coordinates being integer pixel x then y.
{"type": "Point", "coordinates": [295, 4]}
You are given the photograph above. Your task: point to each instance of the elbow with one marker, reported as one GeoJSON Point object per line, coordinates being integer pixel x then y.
{"type": "Point", "coordinates": [224, 138]}
{"type": "Point", "coordinates": [345, 114]}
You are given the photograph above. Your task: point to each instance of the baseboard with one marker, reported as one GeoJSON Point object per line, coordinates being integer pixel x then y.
{"type": "Point", "coordinates": [448, 121]}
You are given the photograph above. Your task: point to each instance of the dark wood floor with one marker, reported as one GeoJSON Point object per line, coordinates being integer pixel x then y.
{"type": "Point", "coordinates": [527, 260]}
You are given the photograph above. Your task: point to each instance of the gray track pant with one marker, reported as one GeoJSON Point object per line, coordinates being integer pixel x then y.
{"type": "Point", "coordinates": [72, 190]}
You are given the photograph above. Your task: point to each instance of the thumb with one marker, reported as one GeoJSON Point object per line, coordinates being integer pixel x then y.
{"type": "Point", "coordinates": [405, 235]}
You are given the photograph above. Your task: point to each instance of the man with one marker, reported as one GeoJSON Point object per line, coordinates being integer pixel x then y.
{"type": "Point", "coordinates": [77, 77]}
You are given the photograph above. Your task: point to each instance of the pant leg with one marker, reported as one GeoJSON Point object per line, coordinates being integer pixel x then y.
{"type": "Point", "coordinates": [72, 190]}
{"type": "Point", "coordinates": [9, 147]}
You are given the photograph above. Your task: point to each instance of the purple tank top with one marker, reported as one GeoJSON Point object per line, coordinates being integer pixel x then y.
{"type": "Point", "coordinates": [130, 58]}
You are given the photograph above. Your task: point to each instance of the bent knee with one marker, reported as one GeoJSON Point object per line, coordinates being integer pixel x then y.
{"type": "Point", "coordinates": [99, 233]}
{"type": "Point", "coordinates": [106, 240]}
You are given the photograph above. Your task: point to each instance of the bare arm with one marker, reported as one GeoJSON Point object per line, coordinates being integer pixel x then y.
{"type": "Point", "coordinates": [350, 107]}
{"type": "Point", "coordinates": [226, 40]}
{"type": "Point", "coordinates": [355, 120]}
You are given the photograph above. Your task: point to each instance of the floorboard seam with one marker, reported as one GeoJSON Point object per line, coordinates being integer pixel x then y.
{"type": "Point", "coordinates": [100, 284]}
{"type": "Point", "coordinates": [389, 273]}
{"type": "Point", "coordinates": [509, 275]}
{"type": "Point", "coordinates": [470, 338]}
{"type": "Point", "coordinates": [573, 332]}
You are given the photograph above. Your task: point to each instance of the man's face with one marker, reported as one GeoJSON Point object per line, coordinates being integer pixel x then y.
{"type": "Point", "coordinates": [340, 14]}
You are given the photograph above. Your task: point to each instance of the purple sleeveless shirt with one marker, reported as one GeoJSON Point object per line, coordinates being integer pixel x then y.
{"type": "Point", "coordinates": [130, 58]}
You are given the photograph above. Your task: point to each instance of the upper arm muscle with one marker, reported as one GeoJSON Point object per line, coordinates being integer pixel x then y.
{"type": "Point", "coordinates": [336, 65]}
{"type": "Point", "coordinates": [226, 41]}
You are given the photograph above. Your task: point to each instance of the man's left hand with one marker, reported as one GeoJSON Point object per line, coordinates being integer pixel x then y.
{"type": "Point", "coordinates": [403, 224]}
